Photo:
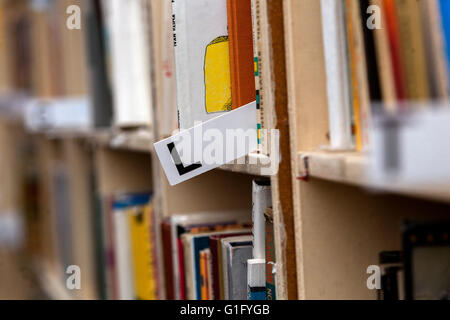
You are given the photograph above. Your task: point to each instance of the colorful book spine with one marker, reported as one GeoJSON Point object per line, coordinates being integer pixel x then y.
{"type": "Point", "coordinates": [384, 58]}
{"type": "Point", "coordinates": [395, 49]}
{"type": "Point", "coordinates": [358, 72]}
{"type": "Point", "coordinates": [143, 255]}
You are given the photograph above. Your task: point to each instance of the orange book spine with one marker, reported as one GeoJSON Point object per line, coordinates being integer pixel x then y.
{"type": "Point", "coordinates": [241, 52]}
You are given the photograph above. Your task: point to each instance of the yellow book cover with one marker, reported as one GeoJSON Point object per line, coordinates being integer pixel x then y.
{"type": "Point", "coordinates": [144, 259]}
{"type": "Point", "coordinates": [358, 71]}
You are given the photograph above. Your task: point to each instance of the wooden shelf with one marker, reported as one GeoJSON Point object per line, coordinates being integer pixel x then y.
{"type": "Point", "coordinates": [353, 168]}
{"type": "Point", "coordinates": [253, 164]}
{"type": "Point", "coordinates": [137, 140]}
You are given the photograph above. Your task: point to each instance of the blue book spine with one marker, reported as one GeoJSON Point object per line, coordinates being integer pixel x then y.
{"type": "Point", "coordinates": [199, 244]}
{"type": "Point", "coordinates": [445, 12]}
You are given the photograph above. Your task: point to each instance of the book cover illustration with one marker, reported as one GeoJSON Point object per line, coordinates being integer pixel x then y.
{"type": "Point", "coordinates": [202, 60]}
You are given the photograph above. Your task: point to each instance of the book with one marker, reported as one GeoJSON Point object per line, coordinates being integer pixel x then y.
{"type": "Point", "coordinates": [99, 86]}
{"type": "Point", "coordinates": [168, 260]}
{"type": "Point", "coordinates": [263, 73]}
{"type": "Point", "coordinates": [130, 62]}
{"type": "Point", "coordinates": [261, 199]}
{"type": "Point", "coordinates": [62, 212]}
{"type": "Point", "coordinates": [384, 60]}
{"type": "Point", "coordinates": [395, 49]}
{"type": "Point", "coordinates": [123, 245]}
{"type": "Point", "coordinates": [435, 49]}
{"type": "Point", "coordinates": [337, 71]}
{"type": "Point", "coordinates": [193, 245]}
{"type": "Point", "coordinates": [180, 224]}
{"type": "Point", "coordinates": [271, 292]}
{"type": "Point", "coordinates": [256, 279]}
{"type": "Point", "coordinates": [358, 72]}
{"type": "Point", "coordinates": [236, 252]}
{"type": "Point", "coordinates": [412, 49]}
{"type": "Point", "coordinates": [217, 291]}
{"type": "Point", "coordinates": [164, 68]}
{"type": "Point", "coordinates": [202, 60]}
{"type": "Point", "coordinates": [143, 243]}
{"type": "Point", "coordinates": [205, 259]}
{"type": "Point", "coordinates": [445, 18]}
{"type": "Point", "coordinates": [241, 52]}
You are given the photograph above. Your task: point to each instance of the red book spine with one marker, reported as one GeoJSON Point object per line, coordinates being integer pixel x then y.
{"type": "Point", "coordinates": [240, 34]}
{"type": "Point", "coordinates": [181, 270]}
{"type": "Point", "coordinates": [394, 41]}
{"type": "Point", "coordinates": [167, 260]}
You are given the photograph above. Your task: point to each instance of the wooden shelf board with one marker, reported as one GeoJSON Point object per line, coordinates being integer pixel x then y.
{"type": "Point", "coordinates": [352, 168]}
{"type": "Point", "coordinates": [250, 165]}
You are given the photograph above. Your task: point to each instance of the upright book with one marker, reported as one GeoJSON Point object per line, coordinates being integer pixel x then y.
{"type": "Point", "coordinates": [337, 71]}
{"type": "Point", "coordinates": [241, 52]}
{"type": "Point", "coordinates": [130, 62]}
{"type": "Point", "coordinates": [202, 59]}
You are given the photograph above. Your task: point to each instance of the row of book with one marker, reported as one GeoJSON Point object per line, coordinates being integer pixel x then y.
{"type": "Point", "coordinates": [151, 63]}
{"type": "Point", "coordinates": [124, 55]}
{"type": "Point", "coordinates": [389, 55]}
{"type": "Point", "coordinates": [421, 270]}
{"type": "Point", "coordinates": [118, 54]}
{"type": "Point", "coordinates": [197, 256]}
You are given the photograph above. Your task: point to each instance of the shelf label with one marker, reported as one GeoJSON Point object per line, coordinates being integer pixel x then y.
{"type": "Point", "coordinates": [209, 144]}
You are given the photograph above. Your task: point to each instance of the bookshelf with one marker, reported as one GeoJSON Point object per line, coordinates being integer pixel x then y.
{"type": "Point", "coordinates": [330, 219]}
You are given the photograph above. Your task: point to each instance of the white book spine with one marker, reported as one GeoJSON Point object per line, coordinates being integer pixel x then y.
{"type": "Point", "coordinates": [262, 199]}
{"type": "Point", "coordinates": [130, 64]}
{"type": "Point", "coordinates": [336, 63]}
{"type": "Point", "coordinates": [124, 259]}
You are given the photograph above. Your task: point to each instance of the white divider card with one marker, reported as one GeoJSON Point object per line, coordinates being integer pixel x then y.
{"type": "Point", "coordinates": [209, 145]}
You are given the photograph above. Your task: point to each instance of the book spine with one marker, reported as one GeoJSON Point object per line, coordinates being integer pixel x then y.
{"type": "Point", "coordinates": [359, 71]}
{"type": "Point", "coordinates": [385, 65]}
{"type": "Point", "coordinates": [445, 18]}
{"type": "Point", "coordinates": [203, 282]}
{"type": "Point", "coordinates": [125, 279]}
{"type": "Point", "coordinates": [270, 256]}
{"type": "Point", "coordinates": [334, 37]}
{"type": "Point", "coordinates": [412, 49]}
{"type": "Point", "coordinates": [394, 43]}
{"type": "Point", "coordinates": [131, 65]}
{"type": "Point", "coordinates": [241, 52]}
{"type": "Point", "coordinates": [209, 275]}
{"type": "Point", "coordinates": [256, 68]}
{"type": "Point", "coordinates": [180, 43]}
{"type": "Point", "coordinates": [181, 271]}
{"type": "Point", "coordinates": [435, 49]}
{"type": "Point", "coordinates": [142, 242]}
{"type": "Point", "coordinates": [256, 279]}
{"type": "Point", "coordinates": [215, 268]}
{"type": "Point", "coordinates": [262, 199]}
{"type": "Point", "coordinates": [168, 260]}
